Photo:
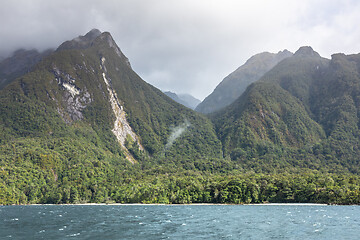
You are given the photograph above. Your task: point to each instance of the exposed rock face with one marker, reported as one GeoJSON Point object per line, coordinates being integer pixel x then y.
{"type": "Point", "coordinates": [81, 42]}
{"type": "Point", "coordinates": [76, 96]}
{"type": "Point", "coordinates": [306, 51]}
{"type": "Point", "coordinates": [121, 129]}
{"type": "Point", "coordinates": [75, 99]}
{"type": "Point", "coordinates": [108, 38]}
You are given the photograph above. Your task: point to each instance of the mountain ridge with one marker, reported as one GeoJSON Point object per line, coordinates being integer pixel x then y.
{"type": "Point", "coordinates": [300, 109]}
{"type": "Point", "coordinates": [185, 99]}
{"type": "Point", "coordinates": [232, 86]}
{"type": "Point", "coordinates": [20, 62]}
{"type": "Point", "coordinates": [81, 126]}
{"type": "Point", "coordinates": [76, 78]}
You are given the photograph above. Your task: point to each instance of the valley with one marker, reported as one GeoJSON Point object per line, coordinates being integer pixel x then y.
{"type": "Point", "coordinates": [79, 125]}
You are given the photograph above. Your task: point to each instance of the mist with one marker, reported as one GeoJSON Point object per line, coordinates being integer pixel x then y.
{"type": "Point", "coordinates": [185, 46]}
{"type": "Point", "coordinates": [176, 132]}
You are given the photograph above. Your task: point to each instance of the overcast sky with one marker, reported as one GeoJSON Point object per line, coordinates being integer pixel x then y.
{"type": "Point", "coordinates": [186, 46]}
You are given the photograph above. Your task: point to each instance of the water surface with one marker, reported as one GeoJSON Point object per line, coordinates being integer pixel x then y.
{"type": "Point", "coordinates": [179, 222]}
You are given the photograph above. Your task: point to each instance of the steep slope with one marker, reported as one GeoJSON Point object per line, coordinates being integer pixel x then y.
{"type": "Point", "coordinates": [264, 122]}
{"type": "Point", "coordinates": [329, 91]}
{"type": "Point", "coordinates": [18, 64]}
{"type": "Point", "coordinates": [185, 99]}
{"type": "Point", "coordinates": [336, 105]}
{"type": "Point", "coordinates": [90, 80]}
{"type": "Point", "coordinates": [279, 118]}
{"type": "Point", "coordinates": [82, 116]}
{"type": "Point", "coordinates": [235, 84]}
{"type": "Point", "coordinates": [82, 126]}
{"type": "Point", "coordinates": [299, 74]}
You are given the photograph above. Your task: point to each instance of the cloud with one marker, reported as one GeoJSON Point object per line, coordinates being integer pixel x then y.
{"type": "Point", "coordinates": [186, 46]}
{"type": "Point", "coordinates": [176, 132]}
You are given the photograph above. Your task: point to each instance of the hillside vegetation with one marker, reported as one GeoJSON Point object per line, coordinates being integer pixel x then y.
{"type": "Point", "coordinates": [82, 127]}
{"type": "Point", "coordinates": [302, 113]}
{"type": "Point", "coordinates": [235, 84]}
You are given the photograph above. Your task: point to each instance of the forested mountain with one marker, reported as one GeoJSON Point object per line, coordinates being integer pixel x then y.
{"type": "Point", "coordinates": [83, 110]}
{"type": "Point", "coordinates": [303, 112]}
{"type": "Point", "coordinates": [90, 81]}
{"type": "Point", "coordinates": [235, 84]}
{"type": "Point", "coordinates": [185, 99]}
{"type": "Point", "coordinates": [18, 64]}
{"type": "Point", "coordinates": [81, 126]}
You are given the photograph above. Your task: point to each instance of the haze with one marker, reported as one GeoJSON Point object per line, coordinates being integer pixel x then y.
{"type": "Point", "coordinates": [185, 46]}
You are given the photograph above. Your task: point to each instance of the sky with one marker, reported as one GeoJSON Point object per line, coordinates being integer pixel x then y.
{"type": "Point", "coordinates": [186, 46]}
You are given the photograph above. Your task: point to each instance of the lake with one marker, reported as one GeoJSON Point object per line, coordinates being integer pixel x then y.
{"type": "Point", "coordinates": [180, 222]}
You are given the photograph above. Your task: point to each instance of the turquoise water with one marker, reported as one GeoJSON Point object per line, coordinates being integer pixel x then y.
{"type": "Point", "coordinates": [180, 222]}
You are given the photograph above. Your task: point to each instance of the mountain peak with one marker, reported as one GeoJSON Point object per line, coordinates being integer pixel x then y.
{"type": "Point", "coordinates": [81, 42]}
{"type": "Point", "coordinates": [306, 51]}
{"type": "Point", "coordinates": [185, 99]}
{"type": "Point", "coordinates": [284, 54]}
{"type": "Point", "coordinates": [93, 33]}
{"type": "Point", "coordinates": [106, 37]}
{"type": "Point", "coordinates": [93, 37]}
{"type": "Point", "coordinates": [236, 83]}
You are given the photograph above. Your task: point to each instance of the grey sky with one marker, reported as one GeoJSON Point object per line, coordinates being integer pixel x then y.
{"type": "Point", "coordinates": [186, 46]}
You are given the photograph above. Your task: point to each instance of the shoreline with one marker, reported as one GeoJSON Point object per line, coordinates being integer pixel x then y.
{"type": "Point", "coordinates": [186, 204]}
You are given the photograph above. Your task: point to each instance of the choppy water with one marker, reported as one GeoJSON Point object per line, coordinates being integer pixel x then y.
{"type": "Point", "coordinates": [179, 222]}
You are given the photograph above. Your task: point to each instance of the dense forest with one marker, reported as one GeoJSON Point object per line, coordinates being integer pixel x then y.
{"type": "Point", "coordinates": [291, 137]}
{"type": "Point", "coordinates": [57, 171]}
{"type": "Point", "coordinates": [34, 177]}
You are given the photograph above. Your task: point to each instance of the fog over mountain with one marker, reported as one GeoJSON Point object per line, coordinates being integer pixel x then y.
{"type": "Point", "coordinates": [185, 99]}
{"type": "Point", "coordinates": [236, 83]}
{"type": "Point", "coordinates": [185, 46]}
{"type": "Point", "coordinates": [81, 126]}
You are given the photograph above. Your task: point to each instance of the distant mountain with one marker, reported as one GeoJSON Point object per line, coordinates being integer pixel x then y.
{"type": "Point", "coordinates": [18, 64]}
{"type": "Point", "coordinates": [235, 84]}
{"type": "Point", "coordinates": [191, 101]}
{"type": "Point", "coordinates": [185, 99]}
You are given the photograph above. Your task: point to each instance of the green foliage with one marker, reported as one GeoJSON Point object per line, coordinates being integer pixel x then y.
{"type": "Point", "coordinates": [153, 115]}
{"type": "Point", "coordinates": [280, 142]}
{"type": "Point", "coordinates": [302, 113]}
{"type": "Point", "coordinates": [236, 83]}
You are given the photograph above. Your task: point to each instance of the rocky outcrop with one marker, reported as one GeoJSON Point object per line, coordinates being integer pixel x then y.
{"type": "Point", "coordinates": [75, 99]}
{"type": "Point", "coordinates": [122, 129]}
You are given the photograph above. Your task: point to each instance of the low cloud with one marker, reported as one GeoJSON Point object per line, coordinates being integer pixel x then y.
{"type": "Point", "coordinates": [176, 132]}
{"type": "Point", "coordinates": [186, 46]}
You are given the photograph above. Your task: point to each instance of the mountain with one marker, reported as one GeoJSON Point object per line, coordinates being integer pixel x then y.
{"type": "Point", "coordinates": [82, 115]}
{"type": "Point", "coordinates": [81, 126]}
{"type": "Point", "coordinates": [235, 84]}
{"type": "Point", "coordinates": [88, 80]}
{"type": "Point", "coordinates": [302, 113]}
{"type": "Point", "coordinates": [191, 101]}
{"type": "Point", "coordinates": [185, 99]}
{"type": "Point", "coordinates": [19, 63]}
